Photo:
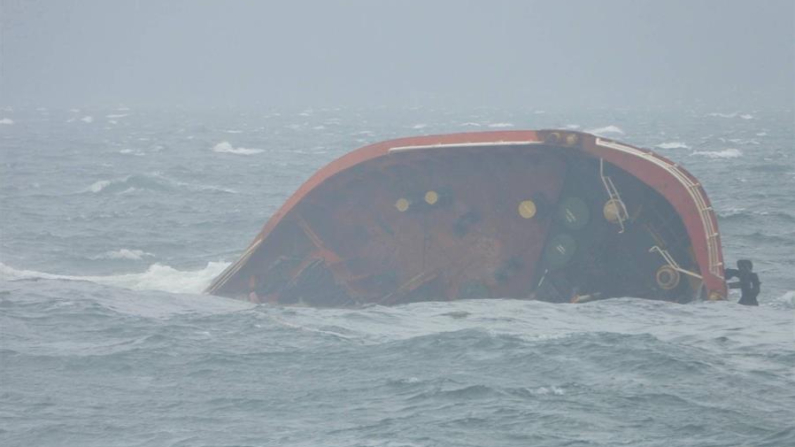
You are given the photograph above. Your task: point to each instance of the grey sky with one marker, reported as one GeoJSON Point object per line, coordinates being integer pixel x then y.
{"type": "Point", "coordinates": [325, 53]}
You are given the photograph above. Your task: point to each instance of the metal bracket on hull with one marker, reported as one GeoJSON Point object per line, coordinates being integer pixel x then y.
{"type": "Point", "coordinates": [615, 197]}
{"type": "Point", "coordinates": [696, 193]}
{"type": "Point", "coordinates": [672, 262]}
{"type": "Point", "coordinates": [234, 268]}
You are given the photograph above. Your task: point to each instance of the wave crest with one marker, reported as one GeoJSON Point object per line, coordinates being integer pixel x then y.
{"type": "Point", "coordinates": [607, 130]}
{"type": "Point", "coordinates": [726, 153]}
{"type": "Point", "coordinates": [147, 182]}
{"type": "Point", "coordinates": [157, 277]}
{"type": "Point", "coordinates": [225, 147]}
{"type": "Point", "coordinates": [673, 145]}
{"type": "Point", "coordinates": [124, 253]}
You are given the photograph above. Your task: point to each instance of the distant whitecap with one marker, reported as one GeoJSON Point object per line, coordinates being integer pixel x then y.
{"type": "Point", "coordinates": [124, 253]}
{"type": "Point", "coordinates": [99, 186]}
{"type": "Point", "coordinates": [673, 145]}
{"type": "Point", "coordinates": [225, 147]}
{"type": "Point", "coordinates": [723, 115]}
{"type": "Point", "coordinates": [606, 131]}
{"type": "Point", "coordinates": [726, 153]}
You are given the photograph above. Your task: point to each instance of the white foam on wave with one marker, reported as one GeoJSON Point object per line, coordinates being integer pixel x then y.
{"type": "Point", "coordinates": [152, 181]}
{"type": "Point", "coordinates": [114, 116]}
{"type": "Point", "coordinates": [87, 119]}
{"type": "Point", "coordinates": [500, 125]}
{"type": "Point", "coordinates": [788, 299]}
{"type": "Point", "coordinates": [133, 152]}
{"type": "Point", "coordinates": [157, 277]}
{"type": "Point", "coordinates": [419, 126]}
{"type": "Point", "coordinates": [225, 147]}
{"type": "Point", "coordinates": [745, 116]}
{"type": "Point", "coordinates": [99, 186]}
{"type": "Point", "coordinates": [726, 153]}
{"type": "Point", "coordinates": [673, 145]}
{"type": "Point", "coordinates": [124, 253]}
{"type": "Point", "coordinates": [572, 126]}
{"type": "Point", "coordinates": [470, 124]}
{"type": "Point", "coordinates": [6, 121]}
{"type": "Point", "coordinates": [723, 115]}
{"type": "Point", "coordinates": [607, 130]}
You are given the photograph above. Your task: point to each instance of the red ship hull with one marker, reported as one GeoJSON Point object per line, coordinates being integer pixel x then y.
{"type": "Point", "coordinates": [551, 215]}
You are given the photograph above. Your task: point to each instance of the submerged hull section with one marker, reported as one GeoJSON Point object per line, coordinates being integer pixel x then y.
{"type": "Point", "coordinates": [550, 215]}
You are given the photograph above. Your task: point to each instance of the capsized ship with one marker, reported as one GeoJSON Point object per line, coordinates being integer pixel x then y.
{"type": "Point", "coordinates": [551, 215]}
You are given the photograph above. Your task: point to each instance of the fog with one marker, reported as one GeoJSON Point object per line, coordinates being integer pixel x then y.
{"type": "Point", "coordinates": [414, 53]}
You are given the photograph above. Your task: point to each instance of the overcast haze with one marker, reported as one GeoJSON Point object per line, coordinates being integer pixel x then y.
{"type": "Point", "coordinates": [449, 53]}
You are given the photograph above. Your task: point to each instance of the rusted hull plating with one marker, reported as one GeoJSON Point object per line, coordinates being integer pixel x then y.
{"type": "Point", "coordinates": [551, 215]}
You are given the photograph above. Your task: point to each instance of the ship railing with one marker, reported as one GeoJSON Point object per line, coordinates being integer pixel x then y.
{"type": "Point", "coordinates": [613, 194]}
{"type": "Point", "coordinates": [672, 262]}
{"type": "Point", "coordinates": [696, 193]}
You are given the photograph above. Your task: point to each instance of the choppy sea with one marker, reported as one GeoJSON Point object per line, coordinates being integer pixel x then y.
{"type": "Point", "coordinates": [112, 222]}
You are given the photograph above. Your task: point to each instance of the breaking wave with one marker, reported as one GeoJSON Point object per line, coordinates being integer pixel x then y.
{"type": "Point", "coordinates": [7, 121]}
{"type": "Point", "coordinates": [225, 148]}
{"type": "Point", "coordinates": [745, 116]}
{"type": "Point", "coordinates": [157, 277]}
{"type": "Point", "coordinates": [723, 115]}
{"type": "Point", "coordinates": [726, 153]}
{"type": "Point", "coordinates": [788, 299]}
{"type": "Point", "coordinates": [500, 125]}
{"type": "Point", "coordinates": [124, 253]}
{"type": "Point", "coordinates": [87, 119]}
{"type": "Point", "coordinates": [147, 182]}
{"type": "Point", "coordinates": [607, 130]}
{"type": "Point", "coordinates": [673, 145]}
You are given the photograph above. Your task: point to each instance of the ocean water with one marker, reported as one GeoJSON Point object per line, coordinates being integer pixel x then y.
{"type": "Point", "coordinates": [113, 221]}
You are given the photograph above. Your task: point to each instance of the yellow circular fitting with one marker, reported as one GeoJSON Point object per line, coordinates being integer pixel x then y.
{"type": "Point", "coordinates": [612, 211]}
{"type": "Point", "coordinates": [402, 205]}
{"type": "Point", "coordinates": [431, 197]}
{"type": "Point", "coordinates": [552, 138]}
{"type": "Point", "coordinates": [527, 209]}
{"type": "Point", "coordinates": [667, 277]}
{"type": "Point", "coordinates": [571, 139]}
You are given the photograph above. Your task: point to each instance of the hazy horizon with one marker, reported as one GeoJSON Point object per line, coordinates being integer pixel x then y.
{"type": "Point", "coordinates": [355, 53]}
